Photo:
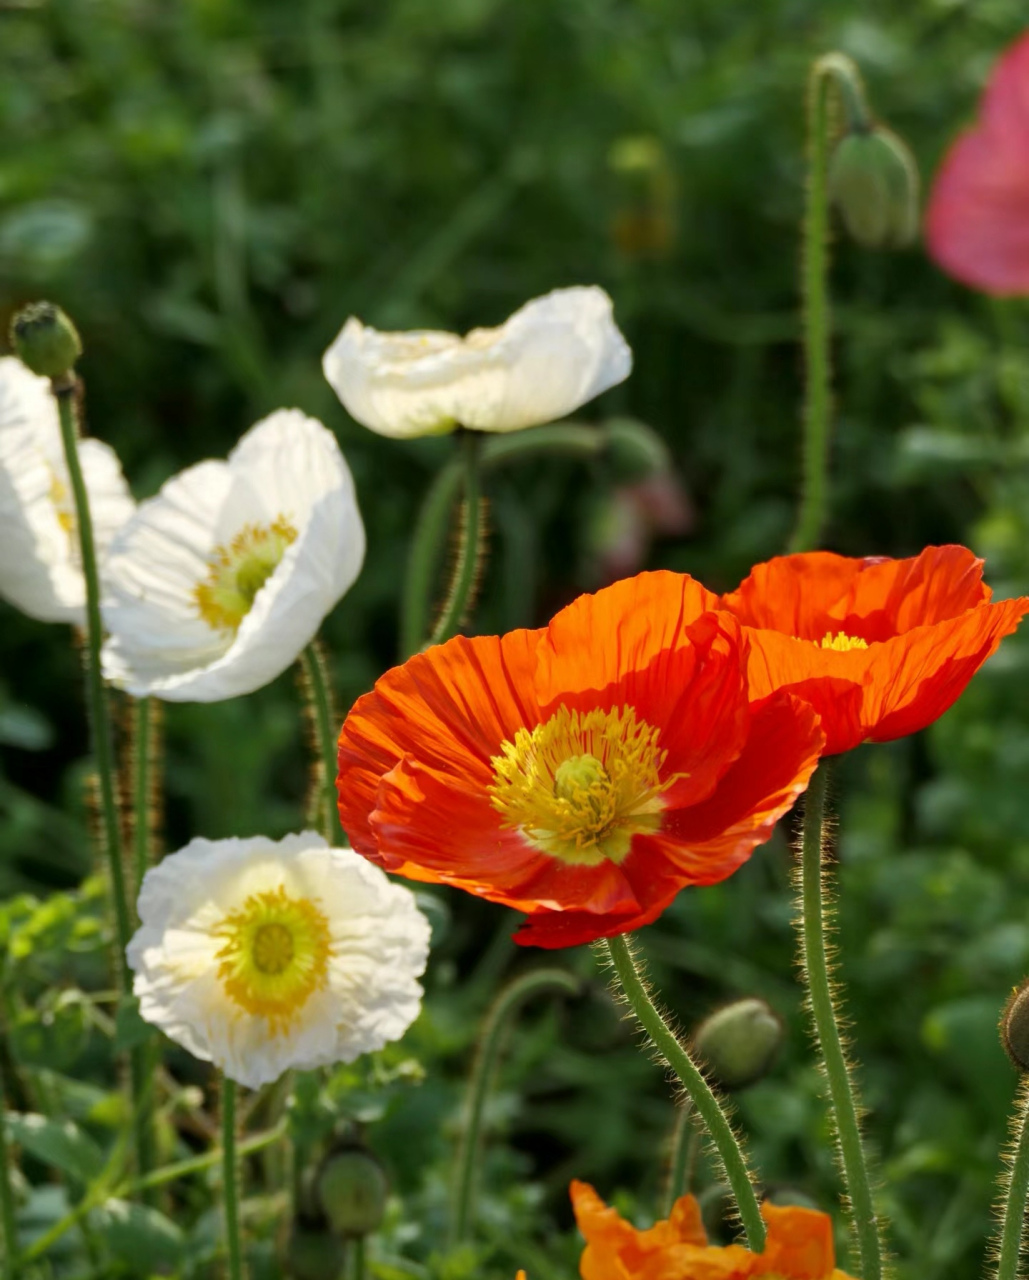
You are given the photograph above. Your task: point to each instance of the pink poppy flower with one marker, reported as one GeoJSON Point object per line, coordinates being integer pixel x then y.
{"type": "Point", "coordinates": [977, 223]}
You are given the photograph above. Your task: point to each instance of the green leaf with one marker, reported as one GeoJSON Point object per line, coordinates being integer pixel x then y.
{"type": "Point", "coordinates": [136, 1234]}
{"type": "Point", "coordinates": [58, 1143]}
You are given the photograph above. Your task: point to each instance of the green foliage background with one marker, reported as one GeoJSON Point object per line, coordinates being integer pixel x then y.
{"type": "Point", "coordinates": [210, 187]}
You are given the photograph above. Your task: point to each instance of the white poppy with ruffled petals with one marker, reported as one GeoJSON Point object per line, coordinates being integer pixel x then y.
{"type": "Point", "coordinates": [261, 955]}
{"type": "Point", "coordinates": [219, 582]}
{"type": "Point", "coordinates": [550, 357]}
{"type": "Point", "coordinates": [40, 559]}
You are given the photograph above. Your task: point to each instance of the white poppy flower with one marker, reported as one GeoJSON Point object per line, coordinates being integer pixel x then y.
{"type": "Point", "coordinates": [220, 581]}
{"type": "Point", "coordinates": [40, 561]}
{"type": "Point", "coordinates": [551, 356]}
{"type": "Point", "coordinates": [260, 955]}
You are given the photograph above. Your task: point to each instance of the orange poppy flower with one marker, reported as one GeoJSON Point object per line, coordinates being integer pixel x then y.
{"type": "Point", "coordinates": [798, 1245]}
{"type": "Point", "coordinates": [583, 773]}
{"type": "Point", "coordinates": [880, 648]}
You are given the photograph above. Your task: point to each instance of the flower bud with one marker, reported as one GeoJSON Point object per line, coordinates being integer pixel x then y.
{"type": "Point", "coordinates": [1014, 1027]}
{"type": "Point", "coordinates": [739, 1041]}
{"type": "Point", "coordinates": [873, 181]}
{"type": "Point", "coordinates": [352, 1190]}
{"type": "Point", "coordinates": [313, 1252]}
{"type": "Point", "coordinates": [45, 339]}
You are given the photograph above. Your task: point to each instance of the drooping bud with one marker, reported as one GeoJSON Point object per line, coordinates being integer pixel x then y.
{"type": "Point", "coordinates": [352, 1190]}
{"type": "Point", "coordinates": [313, 1252]}
{"type": "Point", "coordinates": [873, 182]}
{"type": "Point", "coordinates": [739, 1041]}
{"type": "Point", "coordinates": [45, 340]}
{"type": "Point", "coordinates": [1014, 1027]}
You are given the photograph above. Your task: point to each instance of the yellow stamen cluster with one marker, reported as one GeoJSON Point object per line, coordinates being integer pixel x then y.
{"type": "Point", "coordinates": [275, 955]}
{"type": "Point", "coordinates": [580, 786]}
{"type": "Point", "coordinates": [841, 642]}
{"type": "Point", "coordinates": [63, 505]}
{"type": "Point", "coordinates": [238, 571]}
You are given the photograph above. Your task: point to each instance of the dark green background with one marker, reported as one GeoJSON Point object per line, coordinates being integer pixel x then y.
{"type": "Point", "coordinates": [211, 186]}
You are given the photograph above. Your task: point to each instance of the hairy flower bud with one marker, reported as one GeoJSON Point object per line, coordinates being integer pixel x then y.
{"type": "Point", "coordinates": [739, 1041]}
{"type": "Point", "coordinates": [45, 339]}
{"type": "Point", "coordinates": [873, 181]}
{"type": "Point", "coordinates": [352, 1190]}
{"type": "Point", "coordinates": [1014, 1027]}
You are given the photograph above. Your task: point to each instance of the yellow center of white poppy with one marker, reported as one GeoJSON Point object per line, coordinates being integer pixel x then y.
{"type": "Point", "coordinates": [580, 786]}
{"type": "Point", "coordinates": [64, 508]}
{"type": "Point", "coordinates": [275, 955]}
{"type": "Point", "coordinates": [841, 642]}
{"type": "Point", "coordinates": [238, 571]}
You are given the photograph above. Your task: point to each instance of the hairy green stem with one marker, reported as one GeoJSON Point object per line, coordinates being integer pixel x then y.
{"type": "Point", "coordinates": [318, 688]}
{"type": "Point", "coordinates": [842, 1092]}
{"type": "Point", "coordinates": [685, 1149]}
{"type": "Point", "coordinates": [230, 1179]}
{"type": "Point", "coordinates": [1013, 1222]}
{"type": "Point", "coordinates": [671, 1049]}
{"type": "Point", "coordinates": [566, 439]}
{"type": "Point", "coordinates": [505, 1008]}
{"type": "Point", "coordinates": [143, 743]}
{"type": "Point", "coordinates": [466, 565]}
{"type": "Point", "coordinates": [67, 391]}
{"type": "Point", "coordinates": [816, 321]}
{"type": "Point", "coordinates": [12, 1266]}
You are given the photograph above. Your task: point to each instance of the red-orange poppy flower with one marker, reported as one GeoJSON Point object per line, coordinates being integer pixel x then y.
{"type": "Point", "coordinates": [583, 773]}
{"type": "Point", "coordinates": [798, 1245]}
{"type": "Point", "coordinates": [880, 648]}
{"type": "Point", "coordinates": [977, 222]}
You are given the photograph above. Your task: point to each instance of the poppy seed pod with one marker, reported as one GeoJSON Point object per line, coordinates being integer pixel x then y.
{"type": "Point", "coordinates": [46, 340]}
{"type": "Point", "coordinates": [739, 1041]}
{"type": "Point", "coordinates": [873, 182]}
{"type": "Point", "coordinates": [1014, 1027]}
{"type": "Point", "coordinates": [352, 1190]}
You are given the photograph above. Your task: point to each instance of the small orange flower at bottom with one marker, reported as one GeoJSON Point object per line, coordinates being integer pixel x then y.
{"type": "Point", "coordinates": [799, 1245]}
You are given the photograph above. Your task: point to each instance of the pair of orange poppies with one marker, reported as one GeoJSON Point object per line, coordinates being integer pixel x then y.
{"type": "Point", "coordinates": [651, 736]}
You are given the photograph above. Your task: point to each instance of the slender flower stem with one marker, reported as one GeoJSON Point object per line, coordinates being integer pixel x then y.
{"type": "Point", "coordinates": [505, 1008]}
{"type": "Point", "coordinates": [230, 1174]}
{"type": "Point", "coordinates": [318, 688]}
{"type": "Point", "coordinates": [12, 1267]}
{"type": "Point", "coordinates": [842, 1092]}
{"type": "Point", "coordinates": [144, 713]}
{"type": "Point", "coordinates": [1017, 1179]}
{"type": "Point", "coordinates": [566, 439]}
{"type": "Point", "coordinates": [674, 1053]}
{"type": "Point", "coordinates": [685, 1149]}
{"type": "Point", "coordinates": [356, 1260]}
{"type": "Point", "coordinates": [67, 391]}
{"type": "Point", "coordinates": [466, 566]}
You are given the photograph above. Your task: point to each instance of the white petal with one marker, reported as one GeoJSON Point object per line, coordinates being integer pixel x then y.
{"type": "Point", "coordinates": [287, 466]}
{"type": "Point", "coordinates": [550, 357]}
{"type": "Point", "coordinates": [40, 568]}
{"type": "Point", "coordinates": [379, 948]}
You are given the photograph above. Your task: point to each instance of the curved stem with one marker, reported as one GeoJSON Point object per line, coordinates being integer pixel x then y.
{"type": "Point", "coordinates": [816, 329]}
{"type": "Point", "coordinates": [1013, 1222]}
{"type": "Point", "coordinates": [685, 1149]}
{"type": "Point", "coordinates": [674, 1053]}
{"type": "Point", "coordinates": [842, 1092]}
{"type": "Point", "coordinates": [467, 564]}
{"type": "Point", "coordinates": [12, 1266]}
{"type": "Point", "coordinates": [566, 439]}
{"type": "Point", "coordinates": [99, 714]}
{"type": "Point", "coordinates": [230, 1172]}
{"type": "Point", "coordinates": [504, 1009]}
{"type": "Point", "coordinates": [318, 689]}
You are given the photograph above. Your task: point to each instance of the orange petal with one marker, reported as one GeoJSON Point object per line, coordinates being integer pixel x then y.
{"type": "Point", "coordinates": [799, 1244]}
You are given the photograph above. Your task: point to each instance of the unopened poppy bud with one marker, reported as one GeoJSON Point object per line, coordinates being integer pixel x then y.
{"type": "Point", "coordinates": [313, 1252]}
{"type": "Point", "coordinates": [352, 1191]}
{"type": "Point", "coordinates": [1014, 1027]}
{"type": "Point", "coordinates": [46, 340]}
{"type": "Point", "coordinates": [739, 1041]}
{"type": "Point", "coordinates": [873, 181]}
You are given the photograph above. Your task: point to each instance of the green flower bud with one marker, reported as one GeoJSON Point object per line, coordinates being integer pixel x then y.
{"type": "Point", "coordinates": [352, 1190]}
{"type": "Point", "coordinates": [739, 1041]}
{"type": "Point", "coordinates": [313, 1252]}
{"type": "Point", "coordinates": [636, 450]}
{"type": "Point", "coordinates": [1014, 1027]}
{"type": "Point", "coordinates": [45, 339]}
{"type": "Point", "coordinates": [873, 181]}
